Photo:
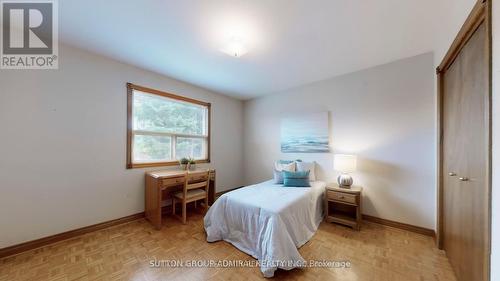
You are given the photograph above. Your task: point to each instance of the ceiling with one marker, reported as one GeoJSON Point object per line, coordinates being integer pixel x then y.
{"type": "Point", "coordinates": [290, 42]}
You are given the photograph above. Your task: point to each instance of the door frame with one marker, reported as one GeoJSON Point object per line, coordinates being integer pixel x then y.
{"type": "Point", "coordinates": [481, 13]}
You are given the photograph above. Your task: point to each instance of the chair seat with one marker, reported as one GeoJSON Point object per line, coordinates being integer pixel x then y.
{"type": "Point", "coordinates": [191, 193]}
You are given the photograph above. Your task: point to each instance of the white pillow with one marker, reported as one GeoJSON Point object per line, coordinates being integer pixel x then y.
{"type": "Point", "coordinates": [307, 166]}
{"type": "Point", "coordinates": [284, 167]}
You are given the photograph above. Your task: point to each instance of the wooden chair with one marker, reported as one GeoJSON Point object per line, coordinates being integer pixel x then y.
{"type": "Point", "coordinates": [195, 188]}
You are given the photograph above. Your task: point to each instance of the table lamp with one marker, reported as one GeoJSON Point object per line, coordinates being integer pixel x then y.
{"type": "Point", "coordinates": [345, 164]}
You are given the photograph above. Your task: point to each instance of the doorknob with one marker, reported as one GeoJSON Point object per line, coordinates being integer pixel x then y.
{"type": "Point", "coordinates": [452, 174]}
{"type": "Point", "coordinates": [463, 179]}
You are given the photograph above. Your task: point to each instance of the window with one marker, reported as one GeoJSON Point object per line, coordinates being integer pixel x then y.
{"type": "Point", "coordinates": [163, 128]}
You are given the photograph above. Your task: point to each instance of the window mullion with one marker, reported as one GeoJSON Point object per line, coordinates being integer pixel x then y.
{"type": "Point", "coordinates": [172, 147]}
{"type": "Point", "coordinates": [152, 133]}
{"type": "Point", "coordinates": [205, 148]}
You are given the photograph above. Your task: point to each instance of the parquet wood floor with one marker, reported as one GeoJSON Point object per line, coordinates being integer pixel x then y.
{"type": "Point", "coordinates": [124, 252]}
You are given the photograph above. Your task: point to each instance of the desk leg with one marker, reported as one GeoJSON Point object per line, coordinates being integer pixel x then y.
{"type": "Point", "coordinates": [211, 189]}
{"type": "Point", "coordinates": [153, 202]}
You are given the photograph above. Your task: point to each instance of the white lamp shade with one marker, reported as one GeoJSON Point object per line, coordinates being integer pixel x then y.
{"type": "Point", "coordinates": [344, 163]}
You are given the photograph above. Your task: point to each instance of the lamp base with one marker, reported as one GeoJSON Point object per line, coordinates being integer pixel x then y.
{"type": "Point", "coordinates": [344, 181]}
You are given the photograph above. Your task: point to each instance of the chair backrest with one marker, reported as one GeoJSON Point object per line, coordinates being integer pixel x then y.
{"type": "Point", "coordinates": [196, 180]}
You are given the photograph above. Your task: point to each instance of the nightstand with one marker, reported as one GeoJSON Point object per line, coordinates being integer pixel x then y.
{"type": "Point", "coordinates": [343, 205]}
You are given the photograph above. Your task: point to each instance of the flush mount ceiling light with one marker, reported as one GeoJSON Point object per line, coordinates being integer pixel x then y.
{"type": "Point", "coordinates": [235, 48]}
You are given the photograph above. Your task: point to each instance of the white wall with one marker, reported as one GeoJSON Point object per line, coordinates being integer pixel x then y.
{"type": "Point", "coordinates": [385, 115]}
{"type": "Point", "coordinates": [63, 136]}
{"type": "Point", "coordinates": [495, 246]}
{"type": "Point", "coordinates": [451, 18]}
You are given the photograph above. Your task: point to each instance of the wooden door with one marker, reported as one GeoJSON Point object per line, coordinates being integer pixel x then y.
{"type": "Point", "coordinates": [453, 156]}
{"type": "Point", "coordinates": [465, 156]}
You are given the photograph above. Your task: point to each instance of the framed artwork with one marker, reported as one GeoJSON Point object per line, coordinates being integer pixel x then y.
{"type": "Point", "coordinates": [305, 134]}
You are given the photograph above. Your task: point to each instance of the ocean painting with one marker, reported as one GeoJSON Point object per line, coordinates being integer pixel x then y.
{"type": "Point", "coordinates": [305, 134]}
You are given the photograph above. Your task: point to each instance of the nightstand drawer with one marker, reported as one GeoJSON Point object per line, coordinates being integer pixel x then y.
{"type": "Point", "coordinates": [343, 197]}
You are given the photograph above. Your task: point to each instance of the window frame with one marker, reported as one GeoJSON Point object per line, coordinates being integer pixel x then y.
{"type": "Point", "coordinates": [130, 132]}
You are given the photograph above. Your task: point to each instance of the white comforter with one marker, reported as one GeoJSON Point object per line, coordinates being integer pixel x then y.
{"type": "Point", "coordinates": [268, 221]}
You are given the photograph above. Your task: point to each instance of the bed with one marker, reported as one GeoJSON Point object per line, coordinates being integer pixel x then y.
{"type": "Point", "coordinates": [268, 221]}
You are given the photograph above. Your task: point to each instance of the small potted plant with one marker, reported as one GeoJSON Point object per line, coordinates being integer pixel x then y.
{"type": "Point", "coordinates": [184, 163]}
{"type": "Point", "coordinates": [192, 164]}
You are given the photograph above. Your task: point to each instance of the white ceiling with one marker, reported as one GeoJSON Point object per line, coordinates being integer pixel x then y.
{"type": "Point", "coordinates": [291, 42]}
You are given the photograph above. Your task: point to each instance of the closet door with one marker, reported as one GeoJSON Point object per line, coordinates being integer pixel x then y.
{"type": "Point", "coordinates": [466, 158]}
{"type": "Point", "coordinates": [453, 158]}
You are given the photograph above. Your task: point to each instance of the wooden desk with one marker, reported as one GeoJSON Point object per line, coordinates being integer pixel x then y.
{"type": "Point", "coordinates": [159, 185]}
